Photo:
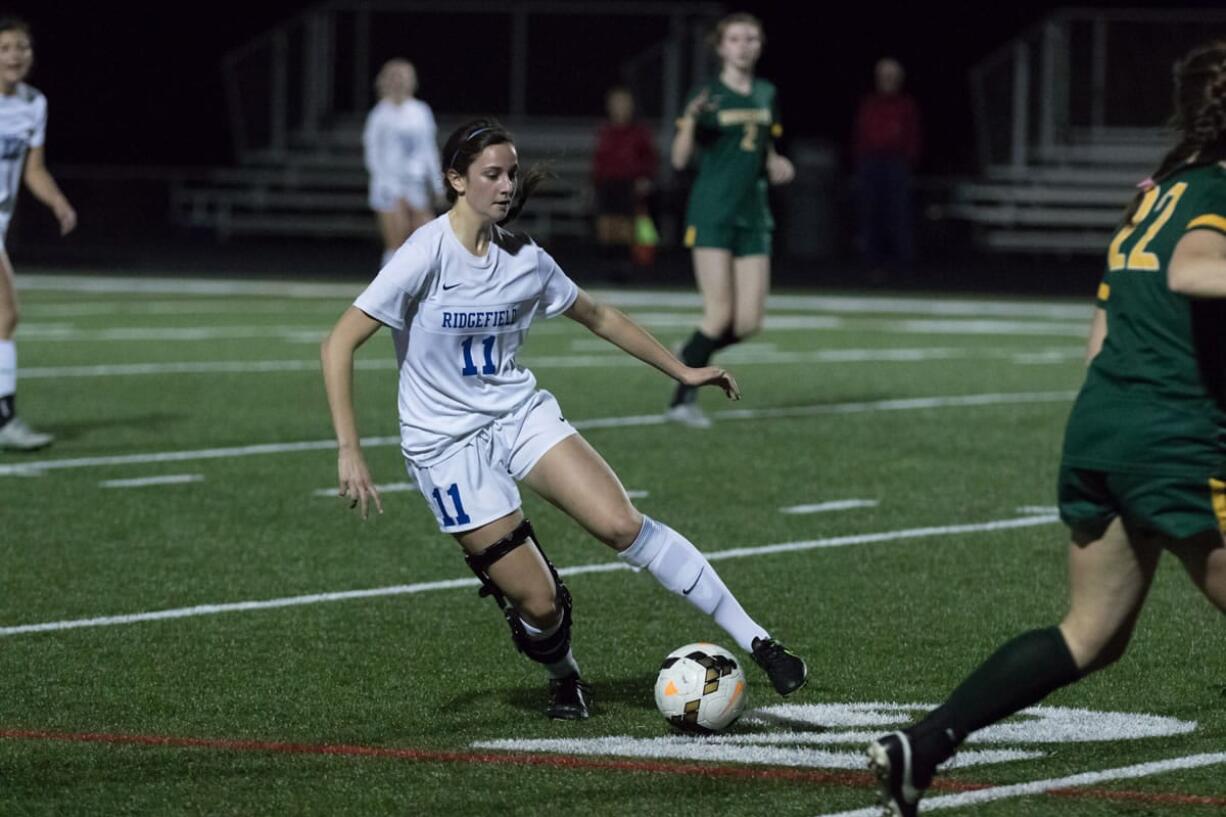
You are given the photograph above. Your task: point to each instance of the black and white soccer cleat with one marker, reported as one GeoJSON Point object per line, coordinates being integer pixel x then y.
{"type": "Point", "coordinates": [890, 758]}
{"type": "Point", "coordinates": [786, 670]}
{"type": "Point", "coordinates": [569, 699]}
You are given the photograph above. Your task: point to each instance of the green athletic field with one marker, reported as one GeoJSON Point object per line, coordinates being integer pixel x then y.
{"type": "Point", "coordinates": [194, 446]}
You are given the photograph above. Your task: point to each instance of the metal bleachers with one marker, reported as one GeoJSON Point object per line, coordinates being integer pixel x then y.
{"type": "Point", "coordinates": [1063, 138]}
{"type": "Point", "coordinates": [297, 96]}
{"type": "Point", "coordinates": [317, 187]}
{"type": "Point", "coordinates": [1068, 200]}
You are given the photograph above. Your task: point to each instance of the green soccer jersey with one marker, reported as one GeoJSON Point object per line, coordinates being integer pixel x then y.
{"type": "Point", "coordinates": [1153, 401]}
{"type": "Point", "coordinates": [732, 136]}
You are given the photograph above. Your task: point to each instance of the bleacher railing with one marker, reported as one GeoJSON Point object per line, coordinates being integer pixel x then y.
{"type": "Point", "coordinates": [1080, 75]}
{"type": "Point", "coordinates": [297, 78]}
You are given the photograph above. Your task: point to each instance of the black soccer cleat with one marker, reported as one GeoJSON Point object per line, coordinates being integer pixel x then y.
{"type": "Point", "coordinates": [890, 758]}
{"type": "Point", "coordinates": [786, 670]}
{"type": "Point", "coordinates": [569, 699]}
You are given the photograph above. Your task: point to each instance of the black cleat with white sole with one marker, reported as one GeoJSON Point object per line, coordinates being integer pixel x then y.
{"type": "Point", "coordinates": [891, 759]}
{"type": "Point", "coordinates": [786, 670]}
{"type": "Point", "coordinates": [569, 699]}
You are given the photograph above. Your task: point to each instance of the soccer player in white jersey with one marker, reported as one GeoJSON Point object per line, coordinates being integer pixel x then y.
{"type": "Point", "coordinates": [23, 129]}
{"type": "Point", "coordinates": [401, 156]}
{"type": "Point", "coordinates": [459, 297]}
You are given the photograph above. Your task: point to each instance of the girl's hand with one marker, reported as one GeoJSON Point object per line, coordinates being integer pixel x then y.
{"type": "Point", "coordinates": [713, 376]}
{"type": "Point", "coordinates": [65, 215]}
{"type": "Point", "coordinates": [698, 104]}
{"type": "Point", "coordinates": [779, 170]}
{"type": "Point", "coordinates": [354, 480]}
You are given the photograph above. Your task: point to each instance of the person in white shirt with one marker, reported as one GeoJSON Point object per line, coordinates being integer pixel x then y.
{"type": "Point", "coordinates": [23, 129]}
{"type": "Point", "coordinates": [460, 297]}
{"type": "Point", "coordinates": [401, 156]}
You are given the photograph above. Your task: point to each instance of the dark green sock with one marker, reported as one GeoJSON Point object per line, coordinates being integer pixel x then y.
{"type": "Point", "coordinates": [728, 338]}
{"type": "Point", "coordinates": [1019, 674]}
{"type": "Point", "coordinates": [696, 352]}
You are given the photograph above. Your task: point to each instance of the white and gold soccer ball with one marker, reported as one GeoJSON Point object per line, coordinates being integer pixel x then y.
{"type": "Point", "coordinates": [701, 688]}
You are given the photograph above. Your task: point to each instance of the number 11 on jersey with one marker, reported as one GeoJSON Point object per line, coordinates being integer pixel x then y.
{"type": "Point", "coordinates": [487, 345]}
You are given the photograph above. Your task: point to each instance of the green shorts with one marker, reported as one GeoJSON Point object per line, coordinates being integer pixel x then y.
{"type": "Point", "coordinates": [740, 241]}
{"type": "Point", "coordinates": [1177, 507]}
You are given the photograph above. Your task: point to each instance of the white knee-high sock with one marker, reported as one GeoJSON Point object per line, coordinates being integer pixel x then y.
{"type": "Point", "coordinates": [564, 668]}
{"type": "Point", "coordinates": [677, 564]}
{"type": "Point", "coordinates": [8, 368]}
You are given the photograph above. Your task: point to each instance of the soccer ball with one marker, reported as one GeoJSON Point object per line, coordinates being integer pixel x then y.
{"type": "Point", "coordinates": [700, 688]}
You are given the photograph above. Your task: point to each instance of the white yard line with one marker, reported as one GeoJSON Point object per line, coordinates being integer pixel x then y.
{"type": "Point", "coordinates": [385, 488]}
{"type": "Point", "coordinates": [986, 327]}
{"type": "Point", "coordinates": [906, 404]}
{"type": "Point", "coordinates": [29, 468]}
{"type": "Point", "coordinates": [141, 482]}
{"type": "Point", "coordinates": [888, 536]}
{"type": "Point", "coordinates": [971, 798]}
{"type": "Point", "coordinates": [103, 283]}
{"type": "Point", "coordinates": [450, 584]}
{"type": "Point", "coordinates": [834, 505]}
{"type": "Point", "coordinates": [940, 305]}
{"type": "Point", "coordinates": [53, 333]}
{"type": "Point", "coordinates": [735, 357]}
{"type": "Point", "coordinates": [197, 306]}
{"type": "Point", "coordinates": [194, 367]}
{"type": "Point", "coordinates": [185, 334]}
{"type": "Point", "coordinates": [1049, 510]}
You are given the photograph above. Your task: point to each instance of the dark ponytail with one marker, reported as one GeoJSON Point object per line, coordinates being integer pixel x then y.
{"type": "Point", "coordinates": [1199, 118]}
{"type": "Point", "coordinates": [468, 141]}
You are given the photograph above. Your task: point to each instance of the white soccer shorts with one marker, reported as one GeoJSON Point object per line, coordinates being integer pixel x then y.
{"type": "Point", "coordinates": [475, 483]}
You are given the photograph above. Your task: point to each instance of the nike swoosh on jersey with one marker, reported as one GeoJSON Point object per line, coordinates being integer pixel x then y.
{"type": "Point", "coordinates": [450, 286]}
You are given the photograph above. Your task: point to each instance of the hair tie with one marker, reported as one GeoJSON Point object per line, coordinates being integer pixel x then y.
{"type": "Point", "coordinates": [465, 140]}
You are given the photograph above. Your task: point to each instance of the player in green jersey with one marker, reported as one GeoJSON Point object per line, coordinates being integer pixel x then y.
{"type": "Point", "coordinates": [1144, 465]}
{"type": "Point", "coordinates": [731, 123]}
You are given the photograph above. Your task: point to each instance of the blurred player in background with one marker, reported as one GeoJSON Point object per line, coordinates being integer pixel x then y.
{"type": "Point", "coordinates": [731, 123]}
{"type": "Point", "coordinates": [460, 297]}
{"type": "Point", "coordinates": [401, 156]}
{"type": "Point", "coordinates": [1144, 464]}
{"type": "Point", "coordinates": [23, 130]}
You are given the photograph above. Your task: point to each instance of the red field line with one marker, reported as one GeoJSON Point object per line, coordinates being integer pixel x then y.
{"type": "Point", "coordinates": [829, 778]}
{"type": "Point", "coordinates": [1151, 798]}
{"type": "Point", "coordinates": [847, 779]}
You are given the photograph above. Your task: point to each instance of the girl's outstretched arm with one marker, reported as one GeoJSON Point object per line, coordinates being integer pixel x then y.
{"type": "Point", "coordinates": [612, 324]}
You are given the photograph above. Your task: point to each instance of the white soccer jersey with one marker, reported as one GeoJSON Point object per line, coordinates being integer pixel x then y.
{"type": "Point", "coordinates": [400, 143]}
{"type": "Point", "coordinates": [23, 125]}
{"type": "Point", "coordinates": [458, 321]}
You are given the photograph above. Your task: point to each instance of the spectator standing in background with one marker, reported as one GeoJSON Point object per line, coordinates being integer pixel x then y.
{"type": "Point", "coordinates": [623, 173]}
{"type": "Point", "coordinates": [886, 144]}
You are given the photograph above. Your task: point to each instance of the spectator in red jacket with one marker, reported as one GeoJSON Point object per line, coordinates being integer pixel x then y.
{"type": "Point", "coordinates": [886, 145]}
{"type": "Point", "coordinates": [623, 172]}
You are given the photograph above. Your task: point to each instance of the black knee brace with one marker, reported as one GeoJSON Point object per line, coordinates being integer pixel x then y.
{"type": "Point", "coordinates": [542, 650]}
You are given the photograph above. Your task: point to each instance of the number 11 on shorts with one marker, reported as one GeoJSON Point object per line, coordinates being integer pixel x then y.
{"type": "Point", "coordinates": [461, 518]}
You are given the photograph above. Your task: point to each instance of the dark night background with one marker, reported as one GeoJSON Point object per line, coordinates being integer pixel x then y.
{"type": "Point", "coordinates": [130, 84]}
{"type": "Point", "coordinates": [136, 92]}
